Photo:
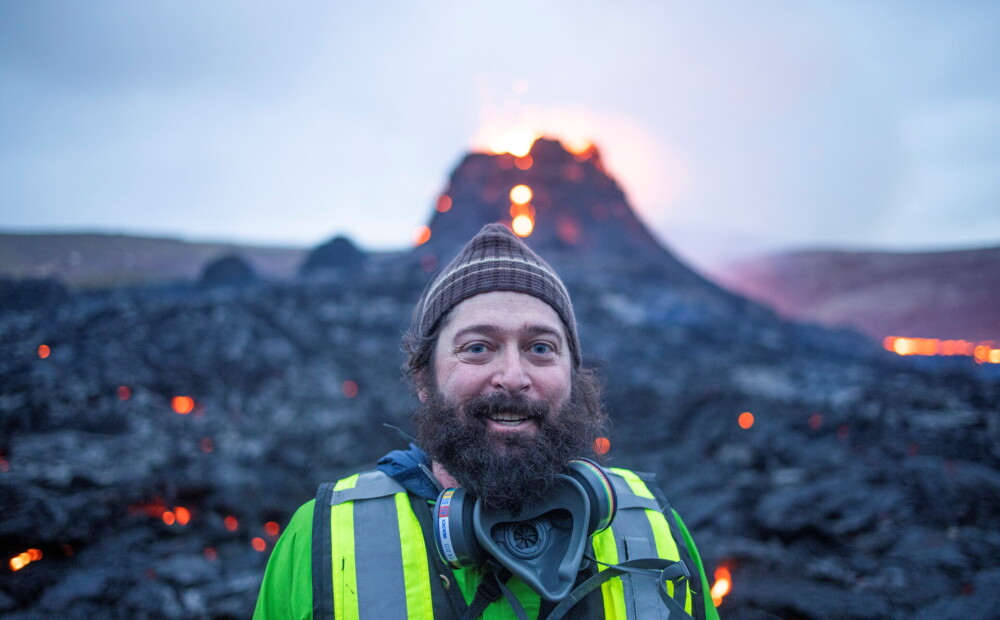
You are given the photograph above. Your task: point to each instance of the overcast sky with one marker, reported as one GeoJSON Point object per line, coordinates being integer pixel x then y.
{"type": "Point", "coordinates": [732, 126]}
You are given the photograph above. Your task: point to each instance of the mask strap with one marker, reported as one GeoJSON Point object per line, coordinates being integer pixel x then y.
{"type": "Point", "coordinates": [489, 590]}
{"type": "Point", "coordinates": [656, 568]}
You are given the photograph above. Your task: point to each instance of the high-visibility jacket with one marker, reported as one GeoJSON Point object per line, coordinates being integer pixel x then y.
{"type": "Point", "coordinates": [363, 550]}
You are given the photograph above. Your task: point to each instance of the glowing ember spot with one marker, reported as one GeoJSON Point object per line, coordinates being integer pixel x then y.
{"type": "Point", "coordinates": [573, 172]}
{"type": "Point", "coordinates": [723, 584]}
{"type": "Point", "coordinates": [982, 353]}
{"type": "Point", "coordinates": [272, 528]}
{"type": "Point", "coordinates": [522, 225]}
{"type": "Point", "coordinates": [746, 420]}
{"type": "Point", "coordinates": [206, 445]}
{"type": "Point", "coordinates": [258, 544]}
{"type": "Point", "coordinates": [816, 421]}
{"type": "Point", "coordinates": [182, 404]}
{"type": "Point", "coordinates": [521, 194]}
{"type": "Point", "coordinates": [124, 393]}
{"type": "Point", "coordinates": [578, 146]}
{"type": "Point", "coordinates": [602, 445]}
{"type": "Point", "coordinates": [443, 203]}
{"type": "Point", "coordinates": [19, 561]}
{"type": "Point", "coordinates": [421, 235]}
{"type": "Point", "coordinates": [34, 554]}
{"type": "Point", "coordinates": [994, 356]}
{"type": "Point", "coordinates": [349, 388]}
{"type": "Point", "coordinates": [526, 209]}
{"type": "Point", "coordinates": [211, 554]}
{"type": "Point", "coordinates": [44, 351]}
{"type": "Point", "coordinates": [169, 517]}
{"type": "Point", "coordinates": [524, 163]}
{"type": "Point", "coordinates": [231, 523]}
{"type": "Point", "coordinates": [183, 515]}
{"type": "Point", "coordinates": [4, 465]}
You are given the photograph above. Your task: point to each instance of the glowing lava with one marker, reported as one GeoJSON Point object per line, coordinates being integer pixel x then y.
{"type": "Point", "coordinates": [723, 584]}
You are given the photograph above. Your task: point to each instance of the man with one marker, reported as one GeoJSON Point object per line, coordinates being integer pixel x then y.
{"type": "Point", "coordinates": [505, 407]}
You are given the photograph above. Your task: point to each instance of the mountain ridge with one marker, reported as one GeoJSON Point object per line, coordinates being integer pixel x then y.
{"type": "Point", "coordinates": [948, 294]}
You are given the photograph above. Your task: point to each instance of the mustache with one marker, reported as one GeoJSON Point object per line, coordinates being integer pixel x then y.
{"type": "Point", "coordinates": [488, 405]}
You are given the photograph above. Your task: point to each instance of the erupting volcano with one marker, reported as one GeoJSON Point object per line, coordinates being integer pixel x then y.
{"type": "Point", "coordinates": [561, 199]}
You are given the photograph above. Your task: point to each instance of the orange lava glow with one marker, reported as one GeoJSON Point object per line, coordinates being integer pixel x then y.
{"type": "Point", "coordinates": [602, 445]}
{"type": "Point", "coordinates": [723, 584]}
{"type": "Point", "coordinates": [21, 560]}
{"type": "Point", "coordinates": [517, 142]}
{"type": "Point", "coordinates": [258, 544]}
{"type": "Point", "coordinates": [169, 517]}
{"type": "Point", "coordinates": [44, 351]}
{"type": "Point", "coordinates": [271, 528]}
{"type": "Point", "coordinates": [524, 163]}
{"type": "Point", "coordinates": [522, 225]}
{"type": "Point", "coordinates": [443, 203]}
{"type": "Point", "coordinates": [985, 352]}
{"type": "Point", "coordinates": [421, 235]}
{"type": "Point", "coordinates": [183, 515]}
{"type": "Point", "coordinates": [521, 194]}
{"type": "Point", "coordinates": [745, 420]}
{"type": "Point", "coordinates": [578, 147]}
{"type": "Point", "coordinates": [182, 404]}
{"type": "Point", "coordinates": [124, 393]}
{"type": "Point", "coordinates": [211, 554]}
{"type": "Point", "coordinates": [349, 388]}
{"type": "Point", "coordinates": [231, 523]}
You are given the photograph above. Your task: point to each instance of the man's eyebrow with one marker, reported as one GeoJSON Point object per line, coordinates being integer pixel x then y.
{"type": "Point", "coordinates": [493, 331]}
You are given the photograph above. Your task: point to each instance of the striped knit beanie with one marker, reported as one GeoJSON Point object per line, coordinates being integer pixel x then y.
{"type": "Point", "coordinates": [495, 260]}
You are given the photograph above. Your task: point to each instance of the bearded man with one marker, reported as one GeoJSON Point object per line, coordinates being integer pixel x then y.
{"type": "Point", "coordinates": [496, 512]}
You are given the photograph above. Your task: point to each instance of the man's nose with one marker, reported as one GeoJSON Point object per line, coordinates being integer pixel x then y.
{"type": "Point", "coordinates": [511, 374]}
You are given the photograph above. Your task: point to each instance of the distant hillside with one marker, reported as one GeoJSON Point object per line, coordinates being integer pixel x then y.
{"type": "Point", "coordinates": [87, 261]}
{"type": "Point", "coordinates": [952, 295]}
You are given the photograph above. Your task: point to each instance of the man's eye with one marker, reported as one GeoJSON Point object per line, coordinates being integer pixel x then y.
{"type": "Point", "coordinates": [476, 348]}
{"type": "Point", "coordinates": [540, 348]}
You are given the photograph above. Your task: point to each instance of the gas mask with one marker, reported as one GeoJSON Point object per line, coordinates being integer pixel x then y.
{"type": "Point", "coordinates": [543, 544]}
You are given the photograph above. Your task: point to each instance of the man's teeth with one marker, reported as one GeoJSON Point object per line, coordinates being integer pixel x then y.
{"type": "Point", "coordinates": [509, 419]}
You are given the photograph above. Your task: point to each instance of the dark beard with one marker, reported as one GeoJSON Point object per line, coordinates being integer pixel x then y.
{"type": "Point", "coordinates": [507, 471]}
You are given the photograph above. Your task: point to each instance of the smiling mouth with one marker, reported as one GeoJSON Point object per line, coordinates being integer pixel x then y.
{"type": "Point", "coordinates": [509, 419]}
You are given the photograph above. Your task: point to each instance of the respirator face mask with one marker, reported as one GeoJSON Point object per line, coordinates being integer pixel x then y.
{"type": "Point", "coordinates": [543, 544]}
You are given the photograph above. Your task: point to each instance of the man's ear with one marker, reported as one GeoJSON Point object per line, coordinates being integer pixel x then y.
{"type": "Point", "coordinates": [420, 382]}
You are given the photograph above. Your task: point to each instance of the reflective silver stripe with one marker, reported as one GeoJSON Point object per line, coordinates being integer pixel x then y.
{"type": "Point", "coordinates": [378, 559]}
{"type": "Point", "coordinates": [370, 484]}
{"type": "Point", "coordinates": [634, 501]}
{"type": "Point", "coordinates": [634, 539]}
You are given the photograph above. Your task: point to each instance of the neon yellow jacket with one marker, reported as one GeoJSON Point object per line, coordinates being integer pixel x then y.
{"type": "Point", "coordinates": [412, 584]}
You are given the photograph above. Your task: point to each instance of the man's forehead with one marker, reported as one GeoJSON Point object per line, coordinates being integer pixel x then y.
{"type": "Point", "coordinates": [505, 309]}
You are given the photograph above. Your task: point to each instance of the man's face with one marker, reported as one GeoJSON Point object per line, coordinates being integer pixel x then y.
{"type": "Point", "coordinates": [502, 415]}
{"type": "Point", "coordinates": [504, 344]}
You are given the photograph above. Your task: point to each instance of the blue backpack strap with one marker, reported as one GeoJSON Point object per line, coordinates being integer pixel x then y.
{"type": "Point", "coordinates": [322, 556]}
